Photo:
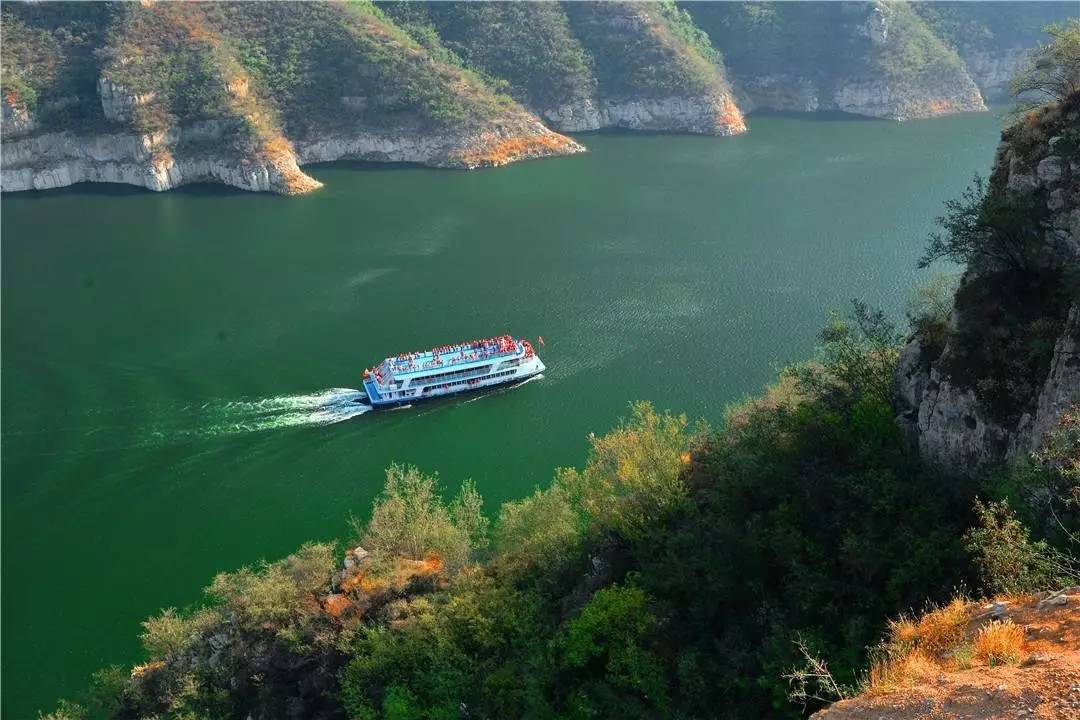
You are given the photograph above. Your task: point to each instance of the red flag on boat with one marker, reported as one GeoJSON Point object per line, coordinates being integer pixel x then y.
{"type": "Point", "coordinates": [541, 339]}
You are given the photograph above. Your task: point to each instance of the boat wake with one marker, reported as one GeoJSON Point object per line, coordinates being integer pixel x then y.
{"type": "Point", "coordinates": [325, 407]}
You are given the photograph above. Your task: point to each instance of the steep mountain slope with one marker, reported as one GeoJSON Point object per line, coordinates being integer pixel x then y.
{"type": "Point", "coordinates": [993, 39]}
{"type": "Point", "coordinates": [989, 385]}
{"type": "Point", "coordinates": [878, 59]}
{"type": "Point", "coordinates": [242, 93]}
{"type": "Point", "coordinates": [588, 65]}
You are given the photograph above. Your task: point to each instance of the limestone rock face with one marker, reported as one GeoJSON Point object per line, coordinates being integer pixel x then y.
{"type": "Point", "coordinates": [193, 153]}
{"type": "Point", "coordinates": [714, 114]}
{"type": "Point", "coordinates": [60, 159]}
{"type": "Point", "coordinates": [1061, 390]}
{"type": "Point", "coordinates": [117, 102]}
{"type": "Point", "coordinates": [904, 101]}
{"type": "Point", "coordinates": [869, 96]}
{"type": "Point", "coordinates": [943, 420]}
{"type": "Point", "coordinates": [993, 70]}
{"type": "Point", "coordinates": [17, 118]}
{"type": "Point", "coordinates": [488, 147]}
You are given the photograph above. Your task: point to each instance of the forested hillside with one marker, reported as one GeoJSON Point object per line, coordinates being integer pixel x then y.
{"type": "Point", "coordinates": [162, 94]}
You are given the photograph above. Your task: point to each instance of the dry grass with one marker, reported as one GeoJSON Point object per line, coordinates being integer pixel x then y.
{"type": "Point", "coordinates": [507, 150]}
{"type": "Point", "coordinates": [899, 667]}
{"type": "Point", "coordinates": [1000, 643]}
{"type": "Point", "coordinates": [936, 631]}
{"type": "Point", "coordinates": [731, 117]}
{"type": "Point", "coordinates": [915, 647]}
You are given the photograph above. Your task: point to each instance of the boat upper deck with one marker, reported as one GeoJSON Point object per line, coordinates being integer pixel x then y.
{"type": "Point", "coordinates": [462, 356]}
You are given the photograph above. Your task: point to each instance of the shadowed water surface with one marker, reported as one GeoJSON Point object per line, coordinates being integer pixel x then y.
{"type": "Point", "coordinates": [177, 367]}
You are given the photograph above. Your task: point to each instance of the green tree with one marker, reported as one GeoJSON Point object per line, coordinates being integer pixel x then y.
{"type": "Point", "coordinates": [1003, 228]}
{"type": "Point", "coordinates": [537, 534]}
{"type": "Point", "coordinates": [410, 520]}
{"type": "Point", "coordinates": [604, 649]}
{"type": "Point", "coordinates": [1009, 560]}
{"type": "Point", "coordinates": [857, 358]}
{"type": "Point", "coordinates": [632, 478]}
{"type": "Point", "coordinates": [1053, 69]}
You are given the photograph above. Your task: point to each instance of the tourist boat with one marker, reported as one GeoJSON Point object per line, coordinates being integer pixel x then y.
{"type": "Point", "coordinates": [450, 370]}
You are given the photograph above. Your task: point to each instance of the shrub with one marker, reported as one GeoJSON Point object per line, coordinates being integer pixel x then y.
{"type": "Point", "coordinates": [987, 225]}
{"type": "Point", "coordinates": [171, 633]}
{"type": "Point", "coordinates": [410, 520]}
{"type": "Point", "coordinates": [1053, 69]}
{"type": "Point", "coordinates": [632, 478]}
{"type": "Point", "coordinates": [475, 644]}
{"type": "Point", "coordinates": [1009, 561]}
{"type": "Point", "coordinates": [1003, 342]}
{"type": "Point", "coordinates": [610, 633]}
{"type": "Point", "coordinates": [928, 311]}
{"type": "Point", "coordinates": [539, 533]}
{"type": "Point", "coordinates": [857, 360]}
{"type": "Point", "coordinates": [999, 643]}
{"type": "Point", "coordinates": [279, 593]}
{"type": "Point", "coordinates": [65, 710]}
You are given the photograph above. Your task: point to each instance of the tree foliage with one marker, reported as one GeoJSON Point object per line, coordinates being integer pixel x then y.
{"type": "Point", "coordinates": [1010, 562]}
{"type": "Point", "coordinates": [984, 225]}
{"type": "Point", "coordinates": [632, 478]}
{"type": "Point", "coordinates": [411, 520]}
{"type": "Point", "coordinates": [1053, 69]}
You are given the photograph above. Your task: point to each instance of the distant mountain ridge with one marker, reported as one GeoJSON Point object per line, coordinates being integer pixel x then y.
{"type": "Point", "coordinates": [163, 94]}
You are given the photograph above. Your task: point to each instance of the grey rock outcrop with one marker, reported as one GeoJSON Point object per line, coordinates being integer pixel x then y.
{"type": "Point", "coordinates": [993, 70]}
{"type": "Point", "coordinates": [713, 114]}
{"type": "Point", "coordinates": [117, 102]}
{"type": "Point", "coordinates": [943, 419]}
{"type": "Point", "coordinates": [17, 120]}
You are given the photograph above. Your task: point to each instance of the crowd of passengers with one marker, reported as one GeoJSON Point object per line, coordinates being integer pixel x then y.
{"type": "Point", "coordinates": [467, 351]}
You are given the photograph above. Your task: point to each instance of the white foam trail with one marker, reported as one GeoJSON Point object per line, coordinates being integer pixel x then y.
{"type": "Point", "coordinates": [217, 418]}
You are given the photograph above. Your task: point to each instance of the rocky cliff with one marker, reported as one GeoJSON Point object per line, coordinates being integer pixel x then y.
{"type": "Point", "coordinates": [876, 59]}
{"type": "Point", "coordinates": [162, 94]}
{"type": "Point", "coordinates": [993, 39]}
{"type": "Point", "coordinates": [973, 400]}
{"type": "Point", "coordinates": [241, 94]}
{"type": "Point", "coordinates": [588, 65]}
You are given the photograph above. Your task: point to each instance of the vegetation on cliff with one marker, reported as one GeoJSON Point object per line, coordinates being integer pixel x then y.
{"type": "Point", "coordinates": [302, 60]}
{"type": "Point", "coordinates": [49, 59]}
{"type": "Point", "coordinates": [1012, 233]}
{"type": "Point", "coordinates": [528, 47]}
{"type": "Point", "coordinates": [646, 50]}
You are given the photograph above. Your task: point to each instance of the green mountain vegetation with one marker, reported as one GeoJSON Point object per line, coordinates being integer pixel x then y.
{"type": "Point", "coordinates": [645, 50]}
{"type": "Point", "coordinates": [49, 58]}
{"type": "Point", "coordinates": [993, 25]}
{"type": "Point", "coordinates": [293, 63]}
{"type": "Point", "coordinates": [299, 58]}
{"type": "Point", "coordinates": [529, 48]}
{"type": "Point", "coordinates": [824, 41]}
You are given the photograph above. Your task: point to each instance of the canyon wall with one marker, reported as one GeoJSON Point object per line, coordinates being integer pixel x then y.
{"type": "Point", "coordinates": [172, 93]}
{"type": "Point", "coordinates": [958, 411]}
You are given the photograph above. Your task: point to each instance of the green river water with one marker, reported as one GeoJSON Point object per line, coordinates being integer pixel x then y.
{"type": "Point", "coordinates": [172, 362]}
